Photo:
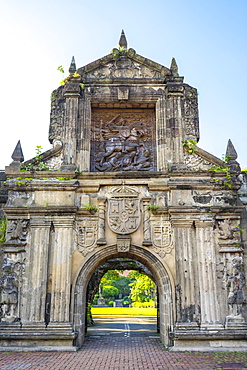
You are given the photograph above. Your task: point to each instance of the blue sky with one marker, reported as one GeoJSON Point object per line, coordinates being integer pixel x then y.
{"type": "Point", "coordinates": [207, 38]}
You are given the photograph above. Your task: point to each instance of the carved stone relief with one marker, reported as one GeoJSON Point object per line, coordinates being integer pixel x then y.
{"type": "Point", "coordinates": [86, 235]}
{"type": "Point", "coordinates": [123, 243]}
{"type": "Point", "coordinates": [162, 236]}
{"type": "Point", "coordinates": [228, 231]}
{"type": "Point", "coordinates": [123, 140]}
{"type": "Point", "coordinates": [191, 118]}
{"type": "Point", "coordinates": [123, 68]}
{"type": "Point", "coordinates": [17, 231]}
{"type": "Point", "coordinates": [124, 210]}
{"type": "Point", "coordinates": [196, 162]}
{"type": "Point", "coordinates": [235, 283]}
{"type": "Point", "coordinates": [13, 269]}
{"type": "Point", "coordinates": [57, 115]}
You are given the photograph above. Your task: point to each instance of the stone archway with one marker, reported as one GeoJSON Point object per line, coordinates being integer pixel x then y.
{"type": "Point", "coordinates": [159, 271]}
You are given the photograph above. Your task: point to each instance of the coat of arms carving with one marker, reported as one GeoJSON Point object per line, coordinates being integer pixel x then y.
{"type": "Point", "coordinates": [124, 210]}
{"type": "Point", "coordinates": [162, 237]}
{"type": "Point", "coordinates": [86, 231]}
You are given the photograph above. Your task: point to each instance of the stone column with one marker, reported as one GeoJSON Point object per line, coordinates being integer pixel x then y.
{"type": "Point", "coordinates": [61, 269]}
{"type": "Point", "coordinates": [174, 123]}
{"type": "Point", "coordinates": [187, 295]}
{"type": "Point", "coordinates": [206, 255]}
{"type": "Point", "coordinates": [35, 286]}
{"type": "Point", "coordinates": [146, 223]}
{"type": "Point", "coordinates": [101, 222]}
{"type": "Point", "coordinates": [83, 135]}
{"type": "Point", "coordinates": [163, 156]}
{"type": "Point", "coordinates": [72, 94]}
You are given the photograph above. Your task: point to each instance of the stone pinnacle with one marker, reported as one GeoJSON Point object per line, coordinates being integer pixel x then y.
{"type": "Point", "coordinates": [123, 41]}
{"type": "Point", "coordinates": [72, 67]}
{"type": "Point", "coordinates": [17, 155]}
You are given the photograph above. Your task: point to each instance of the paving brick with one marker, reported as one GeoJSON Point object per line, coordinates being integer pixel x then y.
{"type": "Point", "coordinates": [122, 354]}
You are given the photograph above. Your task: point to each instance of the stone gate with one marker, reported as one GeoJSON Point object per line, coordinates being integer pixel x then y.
{"type": "Point", "coordinates": [125, 179]}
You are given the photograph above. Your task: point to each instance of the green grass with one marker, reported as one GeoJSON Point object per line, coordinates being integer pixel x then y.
{"type": "Point", "coordinates": [123, 311]}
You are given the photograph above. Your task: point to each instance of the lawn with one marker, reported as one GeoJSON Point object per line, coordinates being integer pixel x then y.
{"type": "Point", "coordinates": [123, 311]}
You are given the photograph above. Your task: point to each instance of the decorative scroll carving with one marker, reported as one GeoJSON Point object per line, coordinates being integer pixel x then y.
{"type": "Point", "coordinates": [196, 162]}
{"type": "Point", "coordinates": [162, 236]}
{"type": "Point", "coordinates": [124, 210]}
{"type": "Point", "coordinates": [122, 140]}
{"type": "Point", "coordinates": [17, 231]}
{"type": "Point", "coordinates": [123, 243]}
{"type": "Point", "coordinates": [86, 232]}
{"type": "Point", "coordinates": [191, 117]}
{"type": "Point", "coordinates": [9, 284]}
{"type": "Point", "coordinates": [123, 68]}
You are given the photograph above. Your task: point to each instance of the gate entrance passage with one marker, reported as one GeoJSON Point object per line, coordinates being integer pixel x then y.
{"type": "Point", "coordinates": [153, 265]}
{"type": "Point", "coordinates": [124, 179]}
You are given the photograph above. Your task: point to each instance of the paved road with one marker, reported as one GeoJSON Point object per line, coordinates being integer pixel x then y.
{"type": "Point", "coordinates": [128, 326]}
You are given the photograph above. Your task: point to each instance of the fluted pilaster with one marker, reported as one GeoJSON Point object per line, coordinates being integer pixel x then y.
{"type": "Point", "coordinates": [186, 272]}
{"type": "Point", "coordinates": [206, 255]}
{"type": "Point", "coordinates": [37, 262]}
{"type": "Point", "coordinates": [61, 269]}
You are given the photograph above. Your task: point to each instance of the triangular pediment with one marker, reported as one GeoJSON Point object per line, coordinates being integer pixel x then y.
{"type": "Point", "coordinates": [201, 160]}
{"type": "Point", "coordinates": [123, 64]}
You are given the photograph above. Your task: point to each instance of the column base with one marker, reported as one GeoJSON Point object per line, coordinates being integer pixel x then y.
{"type": "Point", "coordinates": [235, 322]}
{"type": "Point", "coordinates": [209, 340]}
{"type": "Point", "coordinates": [36, 336]}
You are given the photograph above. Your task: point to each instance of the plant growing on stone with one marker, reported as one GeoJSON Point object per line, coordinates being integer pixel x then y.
{"type": "Point", "coordinates": [117, 53]}
{"type": "Point", "coordinates": [3, 227]}
{"type": "Point", "coordinates": [38, 164]}
{"type": "Point", "coordinates": [190, 145]}
{"type": "Point", "coordinates": [152, 207]}
{"type": "Point", "coordinates": [89, 207]}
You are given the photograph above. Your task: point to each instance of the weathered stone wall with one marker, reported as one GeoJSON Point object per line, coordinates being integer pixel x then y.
{"type": "Point", "coordinates": [126, 180]}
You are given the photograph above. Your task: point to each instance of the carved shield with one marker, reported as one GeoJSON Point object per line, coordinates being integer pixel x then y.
{"type": "Point", "coordinates": [86, 234]}
{"type": "Point", "coordinates": [124, 214]}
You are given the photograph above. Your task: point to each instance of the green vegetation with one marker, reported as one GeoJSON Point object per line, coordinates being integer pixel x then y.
{"type": "Point", "coordinates": [63, 178]}
{"type": "Point", "coordinates": [38, 164]}
{"type": "Point", "coordinates": [89, 207]}
{"type": "Point", "coordinates": [142, 289]}
{"type": "Point", "coordinates": [152, 207]}
{"type": "Point", "coordinates": [3, 226]}
{"type": "Point", "coordinates": [123, 311]}
{"type": "Point", "coordinates": [135, 289]}
{"type": "Point", "coordinates": [190, 145]}
{"type": "Point", "coordinates": [117, 53]}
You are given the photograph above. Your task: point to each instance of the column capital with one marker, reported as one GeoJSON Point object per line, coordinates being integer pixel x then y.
{"type": "Point", "coordinates": [182, 223]}
{"type": "Point", "coordinates": [204, 223]}
{"type": "Point", "coordinates": [63, 221]}
{"type": "Point", "coordinates": [40, 222]}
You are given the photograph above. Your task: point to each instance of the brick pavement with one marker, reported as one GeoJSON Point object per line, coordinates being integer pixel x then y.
{"type": "Point", "coordinates": [119, 353]}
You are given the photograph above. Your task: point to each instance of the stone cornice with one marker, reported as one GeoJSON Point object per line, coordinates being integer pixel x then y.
{"type": "Point", "coordinates": [44, 211]}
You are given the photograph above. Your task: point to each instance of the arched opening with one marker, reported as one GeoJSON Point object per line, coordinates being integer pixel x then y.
{"type": "Point", "coordinates": [153, 264]}
{"type": "Point", "coordinates": [122, 286]}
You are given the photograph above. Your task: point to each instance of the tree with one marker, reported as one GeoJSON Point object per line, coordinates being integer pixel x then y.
{"type": "Point", "coordinates": [113, 278]}
{"type": "Point", "coordinates": [110, 277]}
{"type": "Point", "coordinates": [142, 287]}
{"type": "Point", "coordinates": [110, 292]}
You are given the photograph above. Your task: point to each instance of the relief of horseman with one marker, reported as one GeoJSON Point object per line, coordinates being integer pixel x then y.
{"type": "Point", "coordinates": [121, 149]}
